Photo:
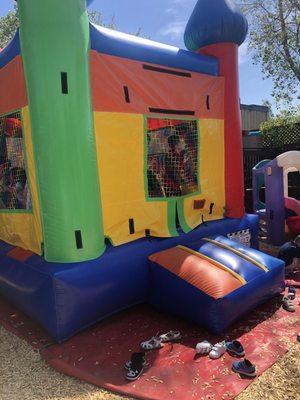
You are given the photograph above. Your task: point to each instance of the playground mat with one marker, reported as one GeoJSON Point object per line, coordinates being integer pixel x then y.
{"type": "Point", "coordinates": [174, 372]}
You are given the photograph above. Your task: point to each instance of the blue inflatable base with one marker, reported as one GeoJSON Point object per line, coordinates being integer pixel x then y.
{"type": "Point", "coordinates": [66, 298]}
{"type": "Point", "coordinates": [172, 294]}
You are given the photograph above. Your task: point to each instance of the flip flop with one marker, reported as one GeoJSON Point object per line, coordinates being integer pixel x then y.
{"type": "Point", "coordinates": [152, 344]}
{"type": "Point", "coordinates": [170, 336]}
{"type": "Point", "coordinates": [288, 305]}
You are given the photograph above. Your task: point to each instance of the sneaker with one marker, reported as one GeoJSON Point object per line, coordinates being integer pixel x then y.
{"type": "Point", "coordinates": [288, 305]}
{"type": "Point", "coordinates": [203, 347]}
{"type": "Point", "coordinates": [135, 371]}
{"type": "Point", "coordinates": [135, 358]}
{"type": "Point", "coordinates": [218, 350]}
{"type": "Point", "coordinates": [235, 349]}
{"type": "Point", "coordinates": [244, 367]}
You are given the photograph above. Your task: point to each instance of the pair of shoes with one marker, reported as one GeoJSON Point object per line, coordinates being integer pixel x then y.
{"type": "Point", "coordinates": [135, 366]}
{"type": "Point", "coordinates": [156, 342]}
{"type": "Point", "coordinates": [244, 368]}
{"type": "Point", "coordinates": [234, 348]}
{"type": "Point", "coordinates": [214, 351]}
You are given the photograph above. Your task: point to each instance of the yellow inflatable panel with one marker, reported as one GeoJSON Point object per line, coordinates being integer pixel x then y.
{"type": "Point", "coordinates": [210, 203]}
{"type": "Point", "coordinates": [19, 228]}
{"type": "Point", "coordinates": [126, 212]}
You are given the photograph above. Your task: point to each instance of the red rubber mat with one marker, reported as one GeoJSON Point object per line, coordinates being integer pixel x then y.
{"type": "Point", "coordinates": [174, 373]}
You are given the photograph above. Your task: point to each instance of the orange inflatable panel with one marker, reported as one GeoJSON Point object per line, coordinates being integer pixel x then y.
{"type": "Point", "coordinates": [127, 86]}
{"type": "Point", "coordinates": [12, 86]}
{"type": "Point", "coordinates": [205, 275]}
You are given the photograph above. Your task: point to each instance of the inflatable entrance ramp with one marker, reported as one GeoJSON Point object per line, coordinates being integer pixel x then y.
{"type": "Point", "coordinates": [213, 282]}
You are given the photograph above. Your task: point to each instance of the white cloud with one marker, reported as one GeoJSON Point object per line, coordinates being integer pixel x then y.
{"type": "Point", "coordinates": [174, 29]}
{"type": "Point", "coordinates": [178, 13]}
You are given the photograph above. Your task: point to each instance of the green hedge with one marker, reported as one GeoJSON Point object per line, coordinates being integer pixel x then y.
{"type": "Point", "coordinates": [281, 131]}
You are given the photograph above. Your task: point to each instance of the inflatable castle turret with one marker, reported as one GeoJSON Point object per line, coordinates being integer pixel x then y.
{"type": "Point", "coordinates": [217, 28]}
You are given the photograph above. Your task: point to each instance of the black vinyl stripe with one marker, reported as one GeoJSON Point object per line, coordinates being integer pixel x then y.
{"type": "Point", "coordinates": [64, 82]}
{"type": "Point", "coordinates": [173, 112]}
{"type": "Point", "coordinates": [211, 207]}
{"type": "Point", "coordinates": [78, 238]}
{"type": "Point", "coordinates": [147, 233]}
{"type": "Point", "coordinates": [167, 71]}
{"type": "Point", "coordinates": [207, 103]}
{"type": "Point", "coordinates": [126, 94]}
{"type": "Point", "coordinates": [131, 226]}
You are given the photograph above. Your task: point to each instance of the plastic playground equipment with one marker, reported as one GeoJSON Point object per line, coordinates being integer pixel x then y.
{"type": "Point", "coordinates": [278, 210]}
{"type": "Point", "coordinates": [119, 156]}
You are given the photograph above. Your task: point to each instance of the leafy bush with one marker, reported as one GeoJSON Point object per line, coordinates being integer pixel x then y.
{"type": "Point", "coordinates": [281, 131]}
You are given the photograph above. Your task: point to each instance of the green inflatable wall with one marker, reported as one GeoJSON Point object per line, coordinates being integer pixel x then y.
{"type": "Point", "coordinates": [55, 46]}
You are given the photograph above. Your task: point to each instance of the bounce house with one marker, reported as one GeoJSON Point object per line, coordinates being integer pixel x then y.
{"type": "Point", "coordinates": [278, 211]}
{"type": "Point", "coordinates": [121, 171]}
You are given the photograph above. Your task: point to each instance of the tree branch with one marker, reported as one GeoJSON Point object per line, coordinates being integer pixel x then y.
{"type": "Point", "coordinates": [285, 44]}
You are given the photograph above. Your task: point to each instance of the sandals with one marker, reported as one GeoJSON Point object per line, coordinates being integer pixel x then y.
{"type": "Point", "coordinates": [170, 336]}
{"type": "Point", "coordinates": [152, 344]}
{"type": "Point", "coordinates": [288, 305]}
{"type": "Point", "coordinates": [235, 349]}
{"type": "Point", "coordinates": [156, 342]}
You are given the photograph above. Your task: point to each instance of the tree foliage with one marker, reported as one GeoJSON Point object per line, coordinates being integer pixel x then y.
{"type": "Point", "coordinates": [275, 42]}
{"type": "Point", "coordinates": [8, 26]}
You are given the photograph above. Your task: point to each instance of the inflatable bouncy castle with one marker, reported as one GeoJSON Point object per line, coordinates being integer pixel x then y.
{"type": "Point", "coordinates": [121, 172]}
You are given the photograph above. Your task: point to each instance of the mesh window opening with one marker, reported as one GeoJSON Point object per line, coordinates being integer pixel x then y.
{"type": "Point", "coordinates": [14, 188]}
{"type": "Point", "coordinates": [172, 157]}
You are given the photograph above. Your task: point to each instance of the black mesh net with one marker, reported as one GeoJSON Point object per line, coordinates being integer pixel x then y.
{"type": "Point", "coordinates": [14, 190]}
{"type": "Point", "coordinates": [172, 157]}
